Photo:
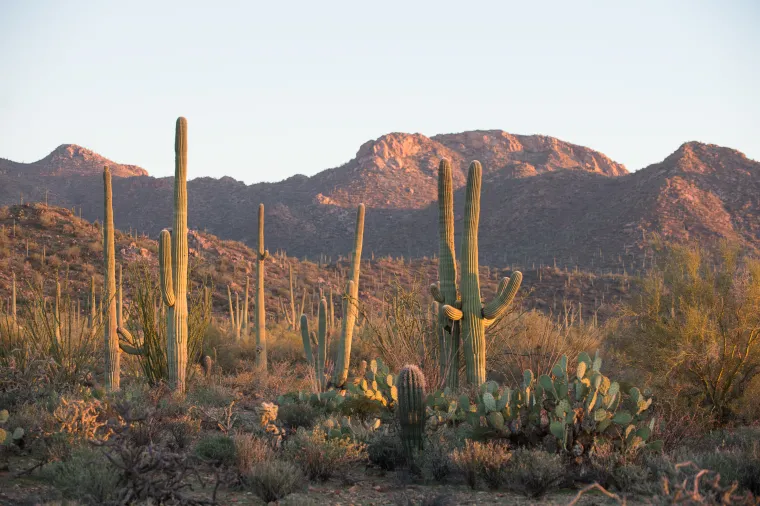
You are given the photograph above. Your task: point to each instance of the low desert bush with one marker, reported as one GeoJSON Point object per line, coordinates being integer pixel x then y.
{"type": "Point", "coordinates": [319, 456]}
{"type": "Point", "coordinates": [87, 476]}
{"type": "Point", "coordinates": [486, 461]}
{"type": "Point", "coordinates": [250, 451]}
{"type": "Point", "coordinates": [297, 415]}
{"type": "Point", "coordinates": [274, 479]}
{"type": "Point", "coordinates": [216, 448]}
{"type": "Point", "coordinates": [535, 472]}
{"type": "Point", "coordinates": [386, 451]}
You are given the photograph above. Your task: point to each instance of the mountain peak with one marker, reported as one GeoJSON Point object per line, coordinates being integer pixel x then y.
{"type": "Point", "coordinates": [702, 158]}
{"type": "Point", "coordinates": [75, 160]}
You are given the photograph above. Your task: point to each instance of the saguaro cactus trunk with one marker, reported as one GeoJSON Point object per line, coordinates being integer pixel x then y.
{"type": "Point", "coordinates": [172, 256]}
{"type": "Point", "coordinates": [350, 305]}
{"type": "Point", "coordinates": [112, 356]}
{"type": "Point", "coordinates": [446, 291]}
{"type": "Point", "coordinates": [261, 314]}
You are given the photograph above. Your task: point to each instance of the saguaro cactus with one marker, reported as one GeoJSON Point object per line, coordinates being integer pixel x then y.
{"type": "Point", "coordinates": [350, 305]}
{"type": "Point", "coordinates": [13, 301]}
{"type": "Point", "coordinates": [473, 316]}
{"type": "Point", "coordinates": [411, 407]}
{"type": "Point", "coordinates": [172, 255]}
{"type": "Point", "coordinates": [306, 340]}
{"type": "Point", "coordinates": [446, 291]}
{"type": "Point", "coordinates": [112, 356]}
{"type": "Point", "coordinates": [261, 314]}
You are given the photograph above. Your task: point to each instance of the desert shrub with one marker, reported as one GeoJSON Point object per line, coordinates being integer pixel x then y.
{"type": "Point", "coordinates": [534, 341]}
{"type": "Point", "coordinates": [635, 479]}
{"type": "Point", "coordinates": [362, 407]}
{"type": "Point", "coordinates": [733, 463]}
{"type": "Point", "coordinates": [695, 325]}
{"type": "Point", "coordinates": [320, 457]}
{"type": "Point", "coordinates": [534, 472]}
{"type": "Point", "coordinates": [436, 461]}
{"type": "Point", "coordinates": [404, 331]}
{"type": "Point", "coordinates": [274, 479]}
{"type": "Point", "coordinates": [297, 415]}
{"type": "Point", "coordinates": [182, 432]}
{"type": "Point", "coordinates": [250, 451]}
{"type": "Point", "coordinates": [212, 394]}
{"type": "Point", "coordinates": [386, 451]}
{"type": "Point", "coordinates": [86, 476]}
{"type": "Point", "coordinates": [147, 326]}
{"type": "Point", "coordinates": [216, 448]}
{"type": "Point", "coordinates": [485, 461]}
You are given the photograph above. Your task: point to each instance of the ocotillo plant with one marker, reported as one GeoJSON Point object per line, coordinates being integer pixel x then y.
{"type": "Point", "coordinates": [120, 302]}
{"type": "Point", "coordinates": [473, 316]}
{"type": "Point", "coordinates": [13, 301]}
{"type": "Point", "coordinates": [245, 308]}
{"type": "Point", "coordinates": [411, 407]}
{"type": "Point", "coordinates": [261, 315]}
{"type": "Point", "coordinates": [233, 315]}
{"type": "Point", "coordinates": [172, 256]}
{"type": "Point", "coordinates": [112, 357]}
{"type": "Point", "coordinates": [350, 305]}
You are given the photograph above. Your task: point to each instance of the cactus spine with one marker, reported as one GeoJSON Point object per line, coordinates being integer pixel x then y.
{"type": "Point", "coordinates": [172, 257]}
{"type": "Point", "coordinates": [473, 316]}
{"type": "Point", "coordinates": [350, 305]}
{"type": "Point", "coordinates": [446, 291]}
{"type": "Point", "coordinates": [261, 315]}
{"type": "Point", "coordinates": [112, 358]}
{"type": "Point", "coordinates": [411, 407]}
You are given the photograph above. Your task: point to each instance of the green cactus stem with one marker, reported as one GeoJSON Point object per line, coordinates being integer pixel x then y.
{"type": "Point", "coordinates": [112, 357]}
{"type": "Point", "coordinates": [411, 407]}
{"type": "Point", "coordinates": [306, 339]}
{"type": "Point", "coordinates": [173, 252]}
{"type": "Point", "coordinates": [473, 316]}
{"type": "Point", "coordinates": [261, 315]}
{"type": "Point", "coordinates": [350, 305]}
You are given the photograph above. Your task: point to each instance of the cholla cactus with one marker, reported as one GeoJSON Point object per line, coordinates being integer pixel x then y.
{"type": "Point", "coordinates": [112, 357]}
{"type": "Point", "coordinates": [411, 407]}
{"type": "Point", "coordinates": [469, 312]}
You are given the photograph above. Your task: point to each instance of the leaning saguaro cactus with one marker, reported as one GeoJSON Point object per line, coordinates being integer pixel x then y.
{"type": "Point", "coordinates": [112, 357]}
{"type": "Point", "coordinates": [411, 407]}
{"type": "Point", "coordinates": [473, 316]}
{"type": "Point", "coordinates": [172, 256]}
{"type": "Point", "coordinates": [261, 314]}
{"type": "Point", "coordinates": [350, 305]}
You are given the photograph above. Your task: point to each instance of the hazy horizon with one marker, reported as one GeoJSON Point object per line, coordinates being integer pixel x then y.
{"type": "Point", "coordinates": [272, 91]}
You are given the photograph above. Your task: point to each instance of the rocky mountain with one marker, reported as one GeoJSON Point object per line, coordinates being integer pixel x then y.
{"type": "Point", "coordinates": [69, 160]}
{"type": "Point", "coordinates": [544, 201]}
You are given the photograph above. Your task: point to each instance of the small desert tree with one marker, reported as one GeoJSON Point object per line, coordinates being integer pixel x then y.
{"type": "Point", "coordinates": [696, 323]}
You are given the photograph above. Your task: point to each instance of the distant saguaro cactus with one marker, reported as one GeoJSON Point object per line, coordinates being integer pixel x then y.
{"type": "Point", "coordinates": [261, 314]}
{"type": "Point", "coordinates": [112, 356]}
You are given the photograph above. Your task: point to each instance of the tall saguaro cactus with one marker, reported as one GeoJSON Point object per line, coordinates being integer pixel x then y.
{"type": "Point", "coordinates": [261, 314]}
{"type": "Point", "coordinates": [112, 356]}
{"type": "Point", "coordinates": [446, 291]}
{"type": "Point", "coordinates": [350, 305]}
{"type": "Point", "coordinates": [172, 256]}
{"type": "Point", "coordinates": [469, 311]}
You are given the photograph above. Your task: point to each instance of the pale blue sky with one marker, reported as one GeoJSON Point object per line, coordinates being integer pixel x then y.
{"type": "Point", "coordinates": [271, 89]}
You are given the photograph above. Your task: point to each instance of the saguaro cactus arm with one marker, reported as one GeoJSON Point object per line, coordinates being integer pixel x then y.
{"type": "Point", "coordinates": [435, 291]}
{"type": "Point", "coordinates": [498, 306]}
{"type": "Point", "coordinates": [451, 312]}
{"type": "Point", "coordinates": [165, 267]}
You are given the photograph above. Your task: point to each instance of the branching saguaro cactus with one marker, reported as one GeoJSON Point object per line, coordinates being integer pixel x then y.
{"type": "Point", "coordinates": [112, 356]}
{"type": "Point", "coordinates": [172, 256]}
{"type": "Point", "coordinates": [469, 311]}
{"type": "Point", "coordinates": [411, 407]}
{"type": "Point", "coordinates": [261, 314]}
{"type": "Point", "coordinates": [350, 306]}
